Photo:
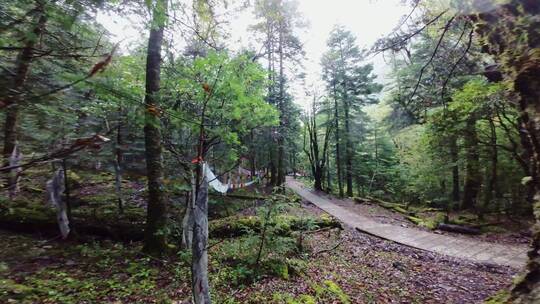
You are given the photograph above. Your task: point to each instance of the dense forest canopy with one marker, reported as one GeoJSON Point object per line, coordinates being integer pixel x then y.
{"type": "Point", "coordinates": [188, 144]}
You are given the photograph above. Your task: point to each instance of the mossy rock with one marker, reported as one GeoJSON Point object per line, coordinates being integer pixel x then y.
{"type": "Point", "coordinates": [501, 297]}
{"type": "Point", "coordinates": [337, 292]}
{"type": "Point", "coordinates": [429, 223]}
{"type": "Point", "coordinates": [74, 180]}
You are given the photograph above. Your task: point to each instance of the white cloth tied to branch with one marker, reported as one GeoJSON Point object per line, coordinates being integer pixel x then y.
{"type": "Point", "coordinates": [214, 182]}
{"type": "Point", "coordinates": [15, 175]}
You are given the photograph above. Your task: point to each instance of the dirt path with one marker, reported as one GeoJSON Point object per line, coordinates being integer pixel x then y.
{"type": "Point", "coordinates": [477, 251]}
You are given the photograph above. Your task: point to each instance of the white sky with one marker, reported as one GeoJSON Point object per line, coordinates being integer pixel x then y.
{"type": "Point", "coordinates": [367, 19]}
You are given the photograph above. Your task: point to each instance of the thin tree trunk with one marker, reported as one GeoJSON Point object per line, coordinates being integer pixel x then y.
{"type": "Point", "coordinates": [263, 236]}
{"type": "Point", "coordinates": [281, 135]}
{"type": "Point", "coordinates": [348, 152]}
{"type": "Point", "coordinates": [155, 242]}
{"type": "Point", "coordinates": [454, 155]}
{"type": "Point", "coordinates": [293, 162]}
{"type": "Point", "coordinates": [359, 186]}
{"type": "Point", "coordinates": [491, 185]}
{"type": "Point", "coordinates": [338, 152]}
{"type": "Point", "coordinates": [253, 155]}
{"type": "Point", "coordinates": [187, 221]}
{"type": "Point", "coordinates": [270, 98]}
{"type": "Point", "coordinates": [67, 194]}
{"type": "Point", "coordinates": [199, 265]}
{"type": "Point", "coordinates": [118, 159]}
{"type": "Point", "coordinates": [328, 175]}
{"type": "Point", "coordinates": [473, 177]}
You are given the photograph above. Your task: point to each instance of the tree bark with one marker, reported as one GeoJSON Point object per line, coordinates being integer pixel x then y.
{"type": "Point", "coordinates": [491, 185]}
{"type": "Point", "coordinates": [118, 160]}
{"type": "Point", "coordinates": [454, 155]}
{"type": "Point", "coordinates": [199, 265]}
{"type": "Point", "coordinates": [270, 99]}
{"type": "Point", "coordinates": [156, 221]}
{"type": "Point", "coordinates": [347, 135]}
{"type": "Point", "coordinates": [281, 135]}
{"type": "Point", "coordinates": [473, 177]}
{"type": "Point", "coordinates": [348, 151]}
{"type": "Point", "coordinates": [316, 159]}
{"type": "Point", "coordinates": [338, 152]}
{"type": "Point", "coordinates": [328, 174]}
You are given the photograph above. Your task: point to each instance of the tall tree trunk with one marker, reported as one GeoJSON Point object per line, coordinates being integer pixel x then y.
{"type": "Point", "coordinates": [253, 155]}
{"type": "Point", "coordinates": [273, 170]}
{"type": "Point", "coordinates": [347, 120]}
{"type": "Point", "coordinates": [118, 160]}
{"type": "Point", "coordinates": [281, 135]}
{"type": "Point", "coordinates": [454, 156]}
{"type": "Point", "coordinates": [473, 177]}
{"type": "Point", "coordinates": [316, 163]}
{"type": "Point", "coordinates": [16, 90]}
{"type": "Point", "coordinates": [359, 188]}
{"type": "Point", "coordinates": [491, 185]}
{"type": "Point", "coordinates": [270, 100]}
{"type": "Point", "coordinates": [293, 161]}
{"type": "Point", "coordinates": [155, 242]}
{"type": "Point", "coordinates": [338, 152]}
{"type": "Point", "coordinates": [348, 151]}
{"type": "Point", "coordinates": [328, 174]}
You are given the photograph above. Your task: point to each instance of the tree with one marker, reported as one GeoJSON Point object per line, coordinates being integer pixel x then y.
{"type": "Point", "coordinates": [351, 85]}
{"type": "Point", "coordinates": [156, 221]}
{"type": "Point", "coordinates": [218, 101]}
{"type": "Point", "coordinates": [279, 20]}
{"type": "Point", "coordinates": [427, 70]}
{"type": "Point", "coordinates": [317, 158]}
{"type": "Point", "coordinates": [15, 90]}
{"type": "Point", "coordinates": [507, 32]}
{"type": "Point", "coordinates": [38, 32]}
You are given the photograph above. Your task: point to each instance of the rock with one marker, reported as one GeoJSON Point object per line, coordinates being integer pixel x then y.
{"type": "Point", "coordinates": [398, 265]}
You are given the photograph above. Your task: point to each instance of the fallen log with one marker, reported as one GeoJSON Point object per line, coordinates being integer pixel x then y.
{"type": "Point", "coordinates": [486, 225]}
{"type": "Point", "coordinates": [458, 229]}
{"type": "Point", "coordinates": [43, 221]}
{"type": "Point", "coordinates": [240, 196]}
{"type": "Point", "coordinates": [399, 208]}
{"type": "Point", "coordinates": [235, 226]}
{"type": "Point", "coordinates": [45, 224]}
{"type": "Point", "coordinates": [426, 223]}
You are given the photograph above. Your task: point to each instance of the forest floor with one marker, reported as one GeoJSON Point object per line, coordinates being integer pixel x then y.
{"type": "Point", "coordinates": [333, 265]}
{"type": "Point", "coordinates": [361, 269]}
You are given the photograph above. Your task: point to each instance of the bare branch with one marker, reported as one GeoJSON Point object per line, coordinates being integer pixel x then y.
{"type": "Point", "coordinates": [446, 27]}
{"type": "Point", "coordinates": [469, 43]}
{"type": "Point", "coordinates": [408, 37]}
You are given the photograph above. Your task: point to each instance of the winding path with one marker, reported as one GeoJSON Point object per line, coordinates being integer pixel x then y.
{"type": "Point", "coordinates": [476, 251]}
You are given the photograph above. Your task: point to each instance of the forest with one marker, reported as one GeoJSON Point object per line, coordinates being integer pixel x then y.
{"type": "Point", "coordinates": [270, 151]}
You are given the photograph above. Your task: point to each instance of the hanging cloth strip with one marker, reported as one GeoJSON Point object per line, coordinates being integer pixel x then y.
{"type": "Point", "coordinates": [214, 182]}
